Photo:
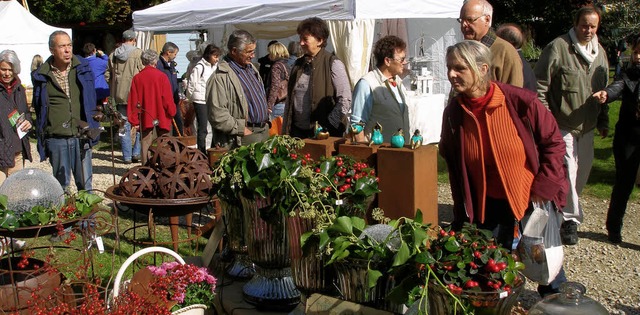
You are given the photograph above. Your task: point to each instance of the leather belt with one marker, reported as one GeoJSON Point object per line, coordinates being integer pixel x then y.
{"type": "Point", "coordinates": [259, 125]}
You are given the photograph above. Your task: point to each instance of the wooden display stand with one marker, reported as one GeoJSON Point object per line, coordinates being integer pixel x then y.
{"type": "Point", "coordinates": [320, 148]}
{"type": "Point", "coordinates": [409, 181]}
{"type": "Point", "coordinates": [360, 152]}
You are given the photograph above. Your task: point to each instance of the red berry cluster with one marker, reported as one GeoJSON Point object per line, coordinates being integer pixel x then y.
{"type": "Point", "coordinates": [304, 159]}
{"type": "Point", "coordinates": [470, 260]}
{"type": "Point", "coordinates": [344, 172]}
{"type": "Point", "coordinates": [60, 232]}
{"type": "Point", "coordinates": [24, 260]}
{"type": "Point", "coordinates": [67, 212]}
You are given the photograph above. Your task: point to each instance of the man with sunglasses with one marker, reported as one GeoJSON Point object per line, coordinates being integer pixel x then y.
{"type": "Point", "coordinates": [475, 23]}
{"type": "Point", "coordinates": [379, 96]}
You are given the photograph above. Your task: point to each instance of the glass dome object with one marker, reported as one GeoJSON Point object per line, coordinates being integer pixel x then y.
{"type": "Point", "coordinates": [570, 301]}
{"type": "Point", "coordinates": [31, 187]}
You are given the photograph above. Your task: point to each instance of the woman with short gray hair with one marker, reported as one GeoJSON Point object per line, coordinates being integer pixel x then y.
{"type": "Point", "coordinates": [15, 119]}
{"type": "Point", "coordinates": [149, 57]}
{"type": "Point", "coordinates": [150, 105]}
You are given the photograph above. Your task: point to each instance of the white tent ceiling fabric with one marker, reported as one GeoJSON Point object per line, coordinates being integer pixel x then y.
{"type": "Point", "coordinates": [181, 15]}
{"type": "Point", "coordinates": [26, 35]}
{"type": "Point", "coordinates": [352, 24]}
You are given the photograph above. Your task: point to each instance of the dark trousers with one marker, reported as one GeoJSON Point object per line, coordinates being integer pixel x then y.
{"type": "Point", "coordinates": [179, 122]}
{"type": "Point", "coordinates": [626, 153]}
{"type": "Point", "coordinates": [500, 220]}
{"type": "Point", "coordinates": [301, 133]}
{"type": "Point", "coordinates": [202, 116]}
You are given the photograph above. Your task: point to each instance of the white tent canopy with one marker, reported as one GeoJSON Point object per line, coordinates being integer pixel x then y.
{"type": "Point", "coordinates": [352, 24]}
{"type": "Point", "coordinates": [185, 15]}
{"type": "Point", "coordinates": [25, 34]}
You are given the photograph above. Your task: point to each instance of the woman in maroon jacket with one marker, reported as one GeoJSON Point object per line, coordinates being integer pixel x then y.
{"type": "Point", "coordinates": [13, 104]}
{"type": "Point", "coordinates": [150, 103]}
{"type": "Point", "coordinates": [503, 149]}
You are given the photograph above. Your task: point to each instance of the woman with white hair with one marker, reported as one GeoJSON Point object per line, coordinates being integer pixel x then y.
{"type": "Point", "coordinates": [14, 116]}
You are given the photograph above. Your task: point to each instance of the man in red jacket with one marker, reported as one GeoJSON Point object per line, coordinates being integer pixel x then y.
{"type": "Point", "coordinates": [150, 103]}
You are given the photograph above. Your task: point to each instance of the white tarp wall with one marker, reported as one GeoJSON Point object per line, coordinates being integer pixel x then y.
{"type": "Point", "coordinates": [26, 35]}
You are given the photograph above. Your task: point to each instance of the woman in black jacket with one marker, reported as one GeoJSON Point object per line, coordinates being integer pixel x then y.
{"type": "Point", "coordinates": [14, 115]}
{"type": "Point", "coordinates": [626, 140]}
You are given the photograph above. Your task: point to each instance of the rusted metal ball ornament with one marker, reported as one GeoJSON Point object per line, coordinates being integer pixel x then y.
{"type": "Point", "coordinates": [185, 181]}
{"type": "Point", "coordinates": [167, 153]}
{"type": "Point", "coordinates": [139, 182]}
{"type": "Point", "coordinates": [173, 171]}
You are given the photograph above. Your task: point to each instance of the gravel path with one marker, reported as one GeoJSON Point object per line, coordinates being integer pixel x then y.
{"type": "Point", "coordinates": [611, 273]}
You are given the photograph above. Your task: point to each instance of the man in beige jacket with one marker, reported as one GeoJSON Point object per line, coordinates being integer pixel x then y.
{"type": "Point", "coordinates": [124, 63]}
{"type": "Point", "coordinates": [236, 97]}
{"type": "Point", "coordinates": [475, 23]}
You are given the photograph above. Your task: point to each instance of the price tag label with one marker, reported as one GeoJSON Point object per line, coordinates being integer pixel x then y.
{"type": "Point", "coordinates": [504, 294]}
{"type": "Point", "coordinates": [339, 202]}
{"type": "Point", "coordinates": [100, 244]}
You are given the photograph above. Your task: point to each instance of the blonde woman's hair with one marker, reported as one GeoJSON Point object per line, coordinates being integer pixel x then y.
{"type": "Point", "coordinates": [474, 54]}
{"type": "Point", "coordinates": [278, 51]}
{"type": "Point", "coordinates": [36, 62]}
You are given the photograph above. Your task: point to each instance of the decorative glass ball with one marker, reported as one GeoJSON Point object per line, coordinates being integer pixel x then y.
{"type": "Point", "coordinates": [31, 187]}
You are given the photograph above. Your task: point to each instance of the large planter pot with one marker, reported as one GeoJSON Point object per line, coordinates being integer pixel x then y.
{"type": "Point", "coordinates": [485, 303]}
{"type": "Point", "coordinates": [242, 267]}
{"type": "Point", "coordinates": [351, 276]}
{"type": "Point", "coordinates": [272, 287]}
{"type": "Point", "coordinates": [16, 285]}
{"type": "Point", "coordinates": [195, 309]}
{"type": "Point", "coordinates": [307, 268]}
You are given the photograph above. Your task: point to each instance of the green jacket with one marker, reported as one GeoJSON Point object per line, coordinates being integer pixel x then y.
{"type": "Point", "coordinates": [228, 106]}
{"type": "Point", "coordinates": [566, 83]}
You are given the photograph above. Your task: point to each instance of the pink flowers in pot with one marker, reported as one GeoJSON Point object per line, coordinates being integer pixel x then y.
{"type": "Point", "coordinates": [185, 284]}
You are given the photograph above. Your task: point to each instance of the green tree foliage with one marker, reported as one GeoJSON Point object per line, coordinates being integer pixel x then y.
{"type": "Point", "coordinates": [544, 19]}
{"type": "Point", "coordinates": [73, 12]}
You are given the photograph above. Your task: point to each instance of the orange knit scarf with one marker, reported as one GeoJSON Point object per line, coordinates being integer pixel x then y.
{"type": "Point", "coordinates": [506, 151]}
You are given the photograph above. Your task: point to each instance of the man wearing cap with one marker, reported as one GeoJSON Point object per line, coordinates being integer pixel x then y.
{"type": "Point", "coordinates": [124, 63]}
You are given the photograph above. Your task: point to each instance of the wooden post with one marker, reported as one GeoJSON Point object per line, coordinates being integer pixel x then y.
{"type": "Point", "coordinates": [409, 181]}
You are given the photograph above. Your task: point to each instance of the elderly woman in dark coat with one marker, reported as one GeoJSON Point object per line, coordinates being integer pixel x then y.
{"type": "Point", "coordinates": [14, 116]}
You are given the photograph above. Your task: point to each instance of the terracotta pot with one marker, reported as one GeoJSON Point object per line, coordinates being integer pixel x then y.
{"type": "Point", "coordinates": [16, 285]}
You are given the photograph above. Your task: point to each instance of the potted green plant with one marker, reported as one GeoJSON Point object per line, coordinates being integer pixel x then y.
{"type": "Point", "coordinates": [370, 254]}
{"type": "Point", "coordinates": [464, 272]}
{"type": "Point", "coordinates": [263, 178]}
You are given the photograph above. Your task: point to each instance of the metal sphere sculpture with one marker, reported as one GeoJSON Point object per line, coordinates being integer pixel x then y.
{"type": "Point", "coordinates": [173, 171]}
{"type": "Point", "coordinates": [139, 182]}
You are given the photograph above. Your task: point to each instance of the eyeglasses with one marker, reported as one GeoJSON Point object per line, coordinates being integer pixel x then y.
{"type": "Point", "coordinates": [468, 20]}
{"type": "Point", "coordinates": [400, 60]}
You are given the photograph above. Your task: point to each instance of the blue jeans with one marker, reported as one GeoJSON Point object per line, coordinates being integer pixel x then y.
{"type": "Point", "coordinates": [125, 141]}
{"type": "Point", "coordinates": [68, 155]}
{"type": "Point", "coordinates": [277, 110]}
